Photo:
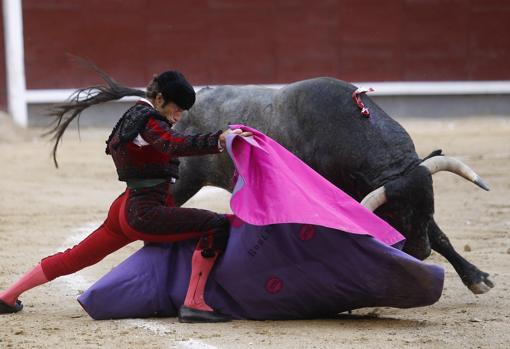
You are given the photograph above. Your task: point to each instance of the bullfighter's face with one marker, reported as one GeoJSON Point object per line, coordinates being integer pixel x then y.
{"type": "Point", "coordinates": [171, 111]}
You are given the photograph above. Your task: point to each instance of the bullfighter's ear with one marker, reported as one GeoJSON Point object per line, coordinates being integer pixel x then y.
{"type": "Point", "coordinates": [434, 153]}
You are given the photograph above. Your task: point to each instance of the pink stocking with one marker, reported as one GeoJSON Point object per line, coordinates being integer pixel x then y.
{"type": "Point", "coordinates": [200, 269]}
{"type": "Point", "coordinates": [31, 279]}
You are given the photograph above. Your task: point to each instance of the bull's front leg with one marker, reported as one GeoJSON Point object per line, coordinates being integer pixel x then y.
{"type": "Point", "coordinates": [184, 189]}
{"type": "Point", "coordinates": [191, 180]}
{"type": "Point", "coordinates": [475, 279]}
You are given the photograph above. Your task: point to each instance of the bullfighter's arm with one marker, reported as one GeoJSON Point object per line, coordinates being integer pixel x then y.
{"type": "Point", "coordinates": [160, 135]}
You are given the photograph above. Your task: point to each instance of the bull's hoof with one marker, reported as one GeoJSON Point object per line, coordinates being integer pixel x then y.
{"type": "Point", "coordinates": [483, 286]}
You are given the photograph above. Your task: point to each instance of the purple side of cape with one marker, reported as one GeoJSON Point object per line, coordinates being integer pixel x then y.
{"type": "Point", "coordinates": [280, 261]}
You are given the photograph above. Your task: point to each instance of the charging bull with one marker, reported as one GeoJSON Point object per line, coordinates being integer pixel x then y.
{"type": "Point", "coordinates": [373, 159]}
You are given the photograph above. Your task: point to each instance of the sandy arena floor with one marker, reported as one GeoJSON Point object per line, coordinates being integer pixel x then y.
{"type": "Point", "coordinates": [43, 210]}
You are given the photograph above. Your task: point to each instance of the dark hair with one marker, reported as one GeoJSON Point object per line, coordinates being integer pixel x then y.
{"type": "Point", "coordinates": [175, 88]}
{"type": "Point", "coordinates": [171, 84]}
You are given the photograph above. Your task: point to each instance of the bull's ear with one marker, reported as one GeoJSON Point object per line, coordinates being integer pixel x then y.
{"type": "Point", "coordinates": [434, 153]}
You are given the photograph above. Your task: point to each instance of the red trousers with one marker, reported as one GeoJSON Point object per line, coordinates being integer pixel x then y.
{"type": "Point", "coordinates": [150, 208]}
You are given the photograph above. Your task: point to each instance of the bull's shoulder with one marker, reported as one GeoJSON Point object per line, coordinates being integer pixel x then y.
{"type": "Point", "coordinates": [229, 92]}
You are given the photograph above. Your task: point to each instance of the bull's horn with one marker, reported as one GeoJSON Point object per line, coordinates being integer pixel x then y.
{"type": "Point", "coordinates": [374, 199]}
{"type": "Point", "coordinates": [444, 163]}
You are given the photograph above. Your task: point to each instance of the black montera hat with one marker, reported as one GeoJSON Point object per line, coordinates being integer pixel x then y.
{"type": "Point", "coordinates": [175, 88]}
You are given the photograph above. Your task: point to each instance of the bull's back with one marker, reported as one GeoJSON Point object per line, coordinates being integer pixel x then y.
{"type": "Point", "coordinates": [328, 132]}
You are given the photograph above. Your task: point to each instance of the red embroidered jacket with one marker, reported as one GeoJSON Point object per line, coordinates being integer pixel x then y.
{"type": "Point", "coordinates": [154, 155]}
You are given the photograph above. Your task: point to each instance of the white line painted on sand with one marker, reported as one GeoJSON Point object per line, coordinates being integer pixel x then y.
{"type": "Point", "coordinates": [154, 327]}
{"type": "Point", "coordinates": [194, 344]}
{"type": "Point", "coordinates": [77, 282]}
{"type": "Point", "coordinates": [163, 330]}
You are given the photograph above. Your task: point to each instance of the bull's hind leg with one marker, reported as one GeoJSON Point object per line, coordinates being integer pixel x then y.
{"type": "Point", "coordinates": [475, 279]}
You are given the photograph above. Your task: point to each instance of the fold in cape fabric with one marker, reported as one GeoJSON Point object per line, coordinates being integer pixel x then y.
{"type": "Point", "coordinates": [299, 248]}
{"type": "Point", "coordinates": [276, 187]}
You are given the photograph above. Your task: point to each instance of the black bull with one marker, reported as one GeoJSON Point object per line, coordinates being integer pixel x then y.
{"type": "Point", "coordinates": [318, 121]}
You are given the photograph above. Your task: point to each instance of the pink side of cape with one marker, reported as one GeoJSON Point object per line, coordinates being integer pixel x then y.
{"type": "Point", "coordinates": [277, 187]}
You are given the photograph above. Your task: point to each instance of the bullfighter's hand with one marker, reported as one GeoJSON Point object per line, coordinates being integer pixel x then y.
{"type": "Point", "coordinates": [237, 131]}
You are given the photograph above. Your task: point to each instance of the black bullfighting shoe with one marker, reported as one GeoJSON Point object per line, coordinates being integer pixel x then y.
{"type": "Point", "coordinates": [191, 315]}
{"type": "Point", "coordinates": [9, 309]}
